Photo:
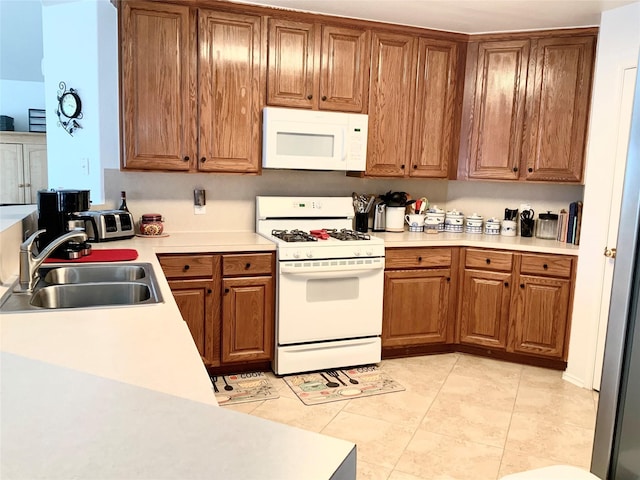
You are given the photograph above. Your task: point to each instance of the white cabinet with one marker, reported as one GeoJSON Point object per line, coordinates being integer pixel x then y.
{"type": "Point", "coordinates": [23, 160]}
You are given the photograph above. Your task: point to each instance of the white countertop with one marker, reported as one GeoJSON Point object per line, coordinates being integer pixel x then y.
{"type": "Point", "coordinates": [122, 393]}
{"type": "Point", "coordinates": [447, 239]}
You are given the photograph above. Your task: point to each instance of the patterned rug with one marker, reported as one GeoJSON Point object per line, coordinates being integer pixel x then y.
{"type": "Point", "coordinates": [243, 388]}
{"type": "Point", "coordinates": [341, 384]}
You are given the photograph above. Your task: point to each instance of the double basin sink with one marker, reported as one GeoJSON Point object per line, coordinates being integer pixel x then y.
{"type": "Point", "coordinates": [88, 286]}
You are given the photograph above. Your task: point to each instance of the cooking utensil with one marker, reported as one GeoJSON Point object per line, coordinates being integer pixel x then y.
{"type": "Point", "coordinates": [227, 387]}
{"type": "Point", "coordinates": [352, 380]}
{"type": "Point", "coordinates": [336, 375]}
{"type": "Point", "coordinates": [510, 213]}
{"type": "Point", "coordinates": [329, 383]}
{"type": "Point", "coordinates": [214, 379]}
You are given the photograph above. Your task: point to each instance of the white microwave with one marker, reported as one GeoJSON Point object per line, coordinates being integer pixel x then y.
{"type": "Point", "coordinates": [313, 140]}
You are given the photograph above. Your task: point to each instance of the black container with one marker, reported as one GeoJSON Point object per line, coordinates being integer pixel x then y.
{"type": "Point", "coordinates": [55, 209]}
{"type": "Point", "coordinates": [362, 222]}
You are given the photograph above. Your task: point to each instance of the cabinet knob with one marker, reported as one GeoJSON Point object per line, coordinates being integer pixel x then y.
{"type": "Point", "coordinates": [27, 184]}
{"type": "Point", "coordinates": [402, 167]}
{"type": "Point", "coordinates": [415, 167]}
{"type": "Point", "coordinates": [419, 259]}
{"type": "Point", "coordinates": [226, 290]}
{"type": "Point", "coordinates": [545, 266]}
{"type": "Point", "coordinates": [247, 266]}
{"type": "Point", "coordinates": [448, 279]}
{"type": "Point", "coordinates": [203, 159]}
{"type": "Point", "coordinates": [506, 284]}
{"type": "Point", "coordinates": [209, 291]}
{"type": "Point", "coordinates": [309, 97]}
{"type": "Point", "coordinates": [515, 169]}
{"type": "Point", "coordinates": [522, 286]}
{"type": "Point", "coordinates": [186, 158]}
{"type": "Point", "coordinates": [186, 267]}
{"type": "Point", "coordinates": [530, 170]}
{"type": "Point", "coordinates": [488, 261]}
{"type": "Point", "coordinates": [324, 97]}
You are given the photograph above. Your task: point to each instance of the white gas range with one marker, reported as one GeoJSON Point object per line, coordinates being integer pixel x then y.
{"type": "Point", "coordinates": [329, 283]}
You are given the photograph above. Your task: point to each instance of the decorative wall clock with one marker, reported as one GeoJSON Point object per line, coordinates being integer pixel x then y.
{"type": "Point", "coordinates": [69, 108]}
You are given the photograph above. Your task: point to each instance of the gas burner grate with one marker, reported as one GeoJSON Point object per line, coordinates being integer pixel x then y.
{"type": "Point", "coordinates": [293, 236]}
{"type": "Point", "coordinates": [346, 234]}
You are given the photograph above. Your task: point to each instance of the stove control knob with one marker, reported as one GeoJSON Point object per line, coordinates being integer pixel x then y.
{"type": "Point", "coordinates": [369, 253]}
{"type": "Point", "coordinates": [309, 254]}
{"type": "Point", "coordinates": [356, 253]}
{"type": "Point", "coordinates": [296, 254]}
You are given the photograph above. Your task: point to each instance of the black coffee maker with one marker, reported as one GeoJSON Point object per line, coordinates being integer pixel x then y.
{"type": "Point", "coordinates": [56, 208]}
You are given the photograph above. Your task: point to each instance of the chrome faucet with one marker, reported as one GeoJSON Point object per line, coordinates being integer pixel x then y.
{"type": "Point", "coordinates": [29, 263]}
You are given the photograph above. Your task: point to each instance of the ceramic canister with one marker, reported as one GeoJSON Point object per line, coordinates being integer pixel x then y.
{"type": "Point", "coordinates": [492, 226]}
{"type": "Point", "coordinates": [474, 224]}
{"type": "Point", "coordinates": [454, 221]}
{"type": "Point", "coordinates": [508, 228]}
{"type": "Point", "coordinates": [436, 216]}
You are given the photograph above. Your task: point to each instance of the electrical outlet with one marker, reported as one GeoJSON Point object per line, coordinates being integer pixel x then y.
{"type": "Point", "coordinates": [199, 209]}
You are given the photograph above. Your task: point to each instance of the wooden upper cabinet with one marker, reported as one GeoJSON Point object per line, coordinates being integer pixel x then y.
{"type": "Point", "coordinates": [158, 117]}
{"type": "Point", "coordinates": [317, 66]}
{"type": "Point", "coordinates": [390, 104]}
{"type": "Point", "coordinates": [497, 101]}
{"type": "Point", "coordinates": [558, 105]}
{"type": "Point", "coordinates": [291, 63]}
{"type": "Point", "coordinates": [229, 92]}
{"type": "Point", "coordinates": [344, 69]}
{"type": "Point", "coordinates": [436, 123]}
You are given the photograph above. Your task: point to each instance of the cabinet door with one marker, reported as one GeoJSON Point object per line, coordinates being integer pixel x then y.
{"type": "Point", "coordinates": [435, 124]}
{"type": "Point", "coordinates": [497, 116]}
{"type": "Point", "coordinates": [247, 319]}
{"type": "Point", "coordinates": [195, 299]}
{"type": "Point", "coordinates": [344, 69]}
{"type": "Point", "coordinates": [12, 178]}
{"type": "Point", "coordinates": [484, 313]}
{"type": "Point", "coordinates": [35, 171]}
{"type": "Point", "coordinates": [416, 307]}
{"type": "Point", "coordinates": [230, 87]}
{"type": "Point", "coordinates": [158, 90]}
{"type": "Point", "coordinates": [291, 63]}
{"type": "Point", "coordinates": [539, 316]}
{"type": "Point", "coordinates": [390, 104]}
{"type": "Point", "coordinates": [557, 108]}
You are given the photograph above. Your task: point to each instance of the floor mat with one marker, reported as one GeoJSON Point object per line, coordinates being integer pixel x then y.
{"type": "Point", "coordinates": [243, 387]}
{"type": "Point", "coordinates": [344, 384]}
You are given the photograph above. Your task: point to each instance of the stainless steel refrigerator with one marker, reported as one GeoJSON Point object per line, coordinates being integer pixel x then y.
{"type": "Point", "coordinates": [616, 449]}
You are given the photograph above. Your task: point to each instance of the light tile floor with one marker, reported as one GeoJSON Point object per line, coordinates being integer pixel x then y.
{"type": "Point", "coordinates": [460, 417]}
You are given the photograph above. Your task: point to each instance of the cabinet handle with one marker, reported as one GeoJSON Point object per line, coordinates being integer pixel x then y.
{"type": "Point", "coordinates": [203, 159]}
{"type": "Point", "coordinates": [515, 169]}
{"type": "Point", "coordinates": [419, 259]}
{"type": "Point", "coordinates": [209, 291]}
{"type": "Point", "coordinates": [247, 266]}
{"type": "Point", "coordinates": [530, 170]}
{"type": "Point", "coordinates": [488, 261]}
{"type": "Point", "coordinates": [186, 267]}
{"type": "Point", "coordinates": [309, 97]}
{"type": "Point", "coordinates": [448, 279]}
{"type": "Point", "coordinates": [21, 185]}
{"type": "Point", "coordinates": [506, 284]}
{"type": "Point", "coordinates": [226, 290]}
{"type": "Point", "coordinates": [27, 184]}
{"type": "Point", "coordinates": [545, 266]}
{"type": "Point", "coordinates": [324, 97]}
{"type": "Point", "coordinates": [522, 286]}
{"type": "Point", "coordinates": [186, 158]}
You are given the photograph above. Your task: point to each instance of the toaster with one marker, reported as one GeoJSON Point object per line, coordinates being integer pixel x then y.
{"type": "Point", "coordinates": [105, 225]}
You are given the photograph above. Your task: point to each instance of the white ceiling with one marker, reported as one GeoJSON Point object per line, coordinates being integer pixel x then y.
{"type": "Point", "coordinates": [466, 16]}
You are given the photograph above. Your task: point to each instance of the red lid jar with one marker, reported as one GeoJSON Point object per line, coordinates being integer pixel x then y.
{"type": "Point", "coordinates": [151, 224]}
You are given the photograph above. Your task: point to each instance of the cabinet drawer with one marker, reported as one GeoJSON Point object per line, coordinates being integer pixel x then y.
{"type": "Point", "coordinates": [247, 264]}
{"type": "Point", "coordinates": [186, 266]}
{"type": "Point", "coordinates": [488, 260]}
{"type": "Point", "coordinates": [548, 265]}
{"type": "Point", "coordinates": [417, 257]}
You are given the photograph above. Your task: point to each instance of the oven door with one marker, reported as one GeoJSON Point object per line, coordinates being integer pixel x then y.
{"type": "Point", "coordinates": [317, 302]}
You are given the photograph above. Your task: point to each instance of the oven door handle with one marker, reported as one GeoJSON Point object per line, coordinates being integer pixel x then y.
{"type": "Point", "coordinates": [329, 272]}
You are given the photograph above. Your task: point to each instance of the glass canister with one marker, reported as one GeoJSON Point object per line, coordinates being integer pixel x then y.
{"type": "Point", "coordinates": [547, 226]}
{"type": "Point", "coordinates": [151, 224]}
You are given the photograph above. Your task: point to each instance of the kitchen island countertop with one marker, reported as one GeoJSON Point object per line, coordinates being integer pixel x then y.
{"type": "Point", "coordinates": [122, 392]}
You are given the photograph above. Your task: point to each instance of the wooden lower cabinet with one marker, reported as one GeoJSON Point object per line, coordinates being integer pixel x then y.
{"type": "Point", "coordinates": [227, 301]}
{"type": "Point", "coordinates": [484, 313]}
{"type": "Point", "coordinates": [419, 299]}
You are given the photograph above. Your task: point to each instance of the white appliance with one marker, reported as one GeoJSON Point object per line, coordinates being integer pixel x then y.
{"type": "Point", "coordinates": [314, 140]}
{"type": "Point", "coordinates": [329, 283]}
